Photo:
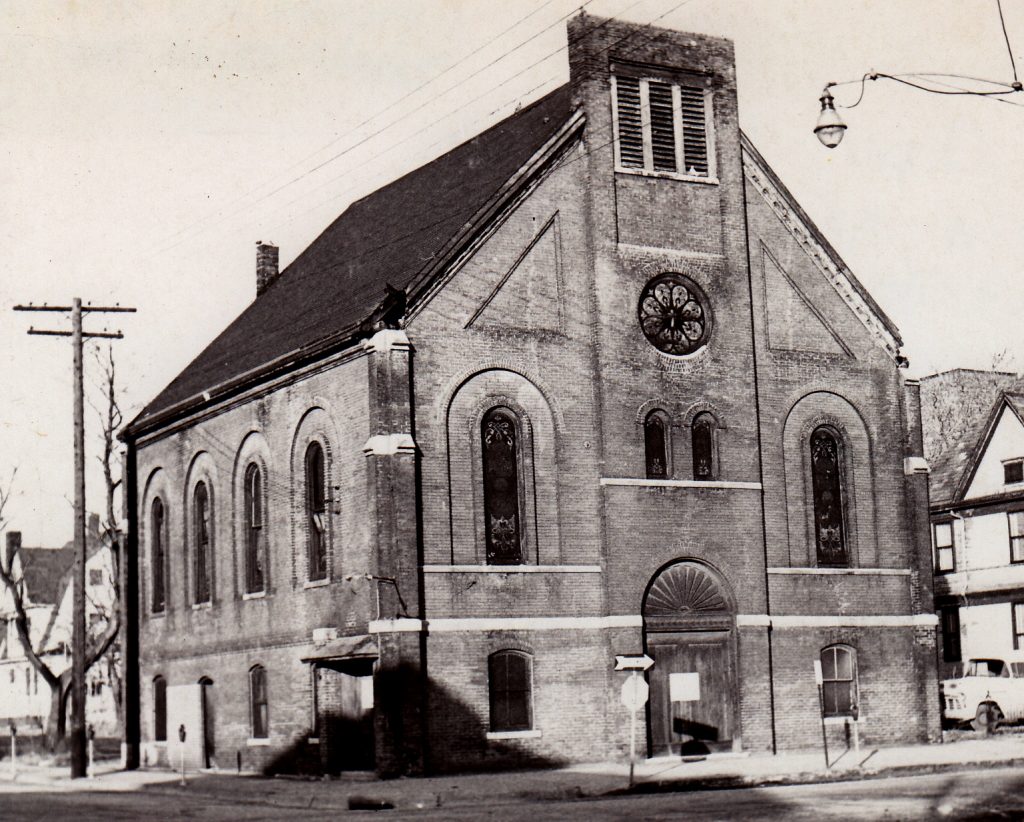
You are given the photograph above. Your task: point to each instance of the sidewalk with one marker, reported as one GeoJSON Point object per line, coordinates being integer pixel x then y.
{"type": "Point", "coordinates": [573, 782]}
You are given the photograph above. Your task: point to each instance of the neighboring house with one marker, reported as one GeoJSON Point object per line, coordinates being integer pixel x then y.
{"type": "Point", "coordinates": [977, 514]}
{"type": "Point", "coordinates": [46, 575]}
{"type": "Point", "coordinates": [589, 384]}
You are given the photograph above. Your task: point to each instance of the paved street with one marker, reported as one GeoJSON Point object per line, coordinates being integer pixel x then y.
{"type": "Point", "coordinates": [980, 794]}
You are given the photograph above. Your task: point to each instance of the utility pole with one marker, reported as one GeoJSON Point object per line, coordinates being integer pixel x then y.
{"type": "Point", "coordinates": [78, 637]}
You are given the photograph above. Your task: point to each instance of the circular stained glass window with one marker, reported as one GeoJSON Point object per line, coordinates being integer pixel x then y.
{"type": "Point", "coordinates": [672, 316]}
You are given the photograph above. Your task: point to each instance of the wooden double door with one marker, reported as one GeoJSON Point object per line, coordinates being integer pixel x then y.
{"type": "Point", "coordinates": [692, 699]}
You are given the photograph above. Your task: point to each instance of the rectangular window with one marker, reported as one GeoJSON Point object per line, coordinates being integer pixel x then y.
{"type": "Point", "coordinates": [95, 576]}
{"type": "Point", "coordinates": [1018, 625]}
{"type": "Point", "coordinates": [951, 633]}
{"type": "Point", "coordinates": [1013, 472]}
{"type": "Point", "coordinates": [942, 534]}
{"type": "Point", "coordinates": [662, 126]}
{"type": "Point", "coordinates": [510, 678]}
{"type": "Point", "coordinates": [1016, 522]}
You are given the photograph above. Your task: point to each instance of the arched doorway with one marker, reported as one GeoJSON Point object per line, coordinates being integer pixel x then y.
{"type": "Point", "coordinates": [206, 706]}
{"type": "Point", "coordinates": [689, 632]}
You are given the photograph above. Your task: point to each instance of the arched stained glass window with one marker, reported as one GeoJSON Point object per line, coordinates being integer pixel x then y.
{"type": "Point", "coordinates": [316, 512]}
{"type": "Point", "coordinates": [827, 486]}
{"type": "Point", "coordinates": [510, 681]}
{"type": "Point", "coordinates": [203, 536]}
{"type": "Point", "coordinates": [159, 709]}
{"type": "Point", "coordinates": [253, 529]}
{"type": "Point", "coordinates": [158, 536]}
{"type": "Point", "coordinates": [703, 436]}
{"type": "Point", "coordinates": [656, 446]}
{"type": "Point", "coordinates": [839, 680]}
{"type": "Point", "coordinates": [500, 435]}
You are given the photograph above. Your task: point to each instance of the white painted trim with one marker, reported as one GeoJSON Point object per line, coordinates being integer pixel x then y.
{"type": "Point", "coordinates": [254, 595]}
{"type": "Point", "coordinates": [511, 569]}
{"type": "Point", "coordinates": [879, 572]}
{"type": "Point", "coordinates": [395, 626]}
{"type": "Point", "coordinates": [316, 583]}
{"type": "Point", "coordinates": [257, 742]}
{"type": "Point", "coordinates": [652, 483]}
{"type": "Point", "coordinates": [387, 339]}
{"type": "Point", "coordinates": [669, 252]}
{"type": "Point", "coordinates": [452, 624]}
{"type": "Point", "coordinates": [915, 465]}
{"type": "Point", "coordinates": [756, 620]}
{"type": "Point", "coordinates": [534, 734]}
{"type": "Point", "coordinates": [384, 445]}
{"type": "Point", "coordinates": [839, 621]}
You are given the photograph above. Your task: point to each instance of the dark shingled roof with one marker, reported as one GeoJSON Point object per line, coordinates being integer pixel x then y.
{"type": "Point", "coordinates": [43, 570]}
{"type": "Point", "coordinates": [386, 238]}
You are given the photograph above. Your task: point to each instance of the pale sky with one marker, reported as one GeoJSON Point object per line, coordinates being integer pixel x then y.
{"type": "Point", "coordinates": [147, 146]}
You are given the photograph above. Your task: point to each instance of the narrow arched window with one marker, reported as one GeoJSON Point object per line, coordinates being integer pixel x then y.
{"type": "Point", "coordinates": [510, 682]}
{"type": "Point", "coordinates": [655, 446]}
{"type": "Point", "coordinates": [158, 536]}
{"type": "Point", "coordinates": [499, 431]}
{"type": "Point", "coordinates": [316, 510]}
{"type": "Point", "coordinates": [202, 541]}
{"type": "Point", "coordinates": [703, 436]}
{"type": "Point", "coordinates": [827, 487]}
{"type": "Point", "coordinates": [159, 709]}
{"type": "Point", "coordinates": [253, 529]}
{"type": "Point", "coordinates": [258, 702]}
{"type": "Point", "coordinates": [839, 680]}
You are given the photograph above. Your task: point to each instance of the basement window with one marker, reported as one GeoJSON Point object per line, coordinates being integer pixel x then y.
{"type": "Point", "coordinates": [663, 127]}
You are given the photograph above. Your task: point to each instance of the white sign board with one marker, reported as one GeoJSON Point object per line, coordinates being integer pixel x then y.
{"type": "Point", "coordinates": [684, 687]}
{"type": "Point", "coordinates": [634, 693]}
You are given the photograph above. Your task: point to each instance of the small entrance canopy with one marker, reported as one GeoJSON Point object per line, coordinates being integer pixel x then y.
{"type": "Point", "coordinates": [360, 646]}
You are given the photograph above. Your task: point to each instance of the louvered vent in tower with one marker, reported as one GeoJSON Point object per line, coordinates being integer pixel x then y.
{"type": "Point", "coordinates": [631, 140]}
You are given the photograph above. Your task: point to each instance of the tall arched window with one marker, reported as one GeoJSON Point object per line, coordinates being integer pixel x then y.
{"type": "Point", "coordinates": [316, 510]}
{"type": "Point", "coordinates": [656, 446]}
{"type": "Point", "coordinates": [258, 702]}
{"type": "Point", "coordinates": [202, 541]}
{"type": "Point", "coordinates": [253, 529]}
{"type": "Point", "coordinates": [510, 682]}
{"type": "Point", "coordinates": [158, 537]}
{"type": "Point", "coordinates": [703, 436]}
{"type": "Point", "coordinates": [159, 709]}
{"type": "Point", "coordinates": [827, 486]}
{"type": "Point", "coordinates": [500, 435]}
{"type": "Point", "coordinates": [839, 680]}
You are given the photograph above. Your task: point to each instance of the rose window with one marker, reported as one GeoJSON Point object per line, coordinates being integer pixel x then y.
{"type": "Point", "coordinates": [671, 315]}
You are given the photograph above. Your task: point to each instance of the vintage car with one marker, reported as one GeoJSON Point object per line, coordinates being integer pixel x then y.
{"type": "Point", "coordinates": [990, 691]}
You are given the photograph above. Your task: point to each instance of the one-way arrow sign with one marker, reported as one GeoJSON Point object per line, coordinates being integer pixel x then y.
{"type": "Point", "coordinates": [633, 662]}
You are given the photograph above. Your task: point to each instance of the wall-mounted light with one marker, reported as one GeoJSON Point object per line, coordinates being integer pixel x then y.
{"type": "Point", "coordinates": [830, 127]}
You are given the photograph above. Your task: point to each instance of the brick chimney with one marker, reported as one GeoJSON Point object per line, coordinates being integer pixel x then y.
{"type": "Point", "coordinates": [266, 265]}
{"type": "Point", "coordinates": [13, 546]}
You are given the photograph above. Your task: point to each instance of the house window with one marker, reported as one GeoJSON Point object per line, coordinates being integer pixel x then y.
{"type": "Point", "coordinates": [1013, 471]}
{"type": "Point", "coordinates": [95, 576]}
{"type": "Point", "coordinates": [316, 511]}
{"type": "Point", "coordinates": [655, 446]}
{"type": "Point", "coordinates": [160, 709]}
{"type": "Point", "coordinates": [1016, 521]}
{"type": "Point", "coordinates": [703, 439]}
{"type": "Point", "coordinates": [203, 533]}
{"type": "Point", "coordinates": [510, 678]}
{"type": "Point", "coordinates": [826, 480]}
{"type": "Point", "coordinates": [258, 701]}
{"type": "Point", "coordinates": [1018, 625]}
{"type": "Point", "coordinates": [500, 435]}
{"type": "Point", "coordinates": [662, 126]}
{"type": "Point", "coordinates": [158, 525]}
{"type": "Point", "coordinates": [945, 560]}
{"type": "Point", "coordinates": [950, 633]}
{"type": "Point", "coordinates": [839, 680]}
{"type": "Point", "coordinates": [253, 529]}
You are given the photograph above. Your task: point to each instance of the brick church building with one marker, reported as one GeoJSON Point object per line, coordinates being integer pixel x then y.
{"type": "Point", "coordinates": [591, 383]}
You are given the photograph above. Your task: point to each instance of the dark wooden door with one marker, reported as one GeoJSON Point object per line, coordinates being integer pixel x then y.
{"type": "Point", "coordinates": [207, 707]}
{"type": "Point", "coordinates": [698, 726]}
{"type": "Point", "coordinates": [345, 714]}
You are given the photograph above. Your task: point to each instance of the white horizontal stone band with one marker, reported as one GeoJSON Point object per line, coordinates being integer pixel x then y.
{"type": "Point", "coordinates": [915, 465]}
{"type": "Point", "coordinates": [652, 483]}
{"type": "Point", "coordinates": [511, 569]}
{"type": "Point", "coordinates": [867, 572]}
{"type": "Point", "coordinates": [455, 624]}
{"type": "Point", "coordinates": [382, 445]}
{"type": "Point", "coordinates": [534, 734]}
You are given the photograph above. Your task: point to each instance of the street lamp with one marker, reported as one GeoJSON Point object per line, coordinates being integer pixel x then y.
{"type": "Point", "coordinates": [830, 127]}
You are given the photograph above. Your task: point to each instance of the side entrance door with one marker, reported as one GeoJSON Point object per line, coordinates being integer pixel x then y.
{"type": "Point", "coordinates": [691, 703]}
{"type": "Point", "coordinates": [207, 708]}
{"type": "Point", "coordinates": [344, 698]}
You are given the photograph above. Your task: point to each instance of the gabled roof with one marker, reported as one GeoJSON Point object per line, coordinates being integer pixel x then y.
{"type": "Point", "coordinates": [376, 248]}
{"type": "Point", "coordinates": [44, 571]}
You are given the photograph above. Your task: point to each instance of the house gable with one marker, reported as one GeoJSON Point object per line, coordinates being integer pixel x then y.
{"type": "Point", "coordinates": [1003, 440]}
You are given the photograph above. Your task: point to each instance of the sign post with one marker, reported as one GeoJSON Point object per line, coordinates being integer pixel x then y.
{"type": "Point", "coordinates": [634, 697]}
{"type": "Point", "coordinates": [820, 680]}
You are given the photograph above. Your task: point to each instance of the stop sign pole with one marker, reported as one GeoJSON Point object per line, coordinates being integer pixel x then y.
{"type": "Point", "coordinates": [634, 697]}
